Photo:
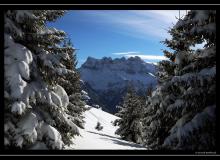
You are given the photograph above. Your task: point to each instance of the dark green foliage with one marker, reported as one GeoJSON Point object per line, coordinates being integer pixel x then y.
{"type": "Point", "coordinates": [180, 114]}
{"type": "Point", "coordinates": [99, 127]}
{"type": "Point", "coordinates": [36, 66]}
{"type": "Point", "coordinates": [130, 125]}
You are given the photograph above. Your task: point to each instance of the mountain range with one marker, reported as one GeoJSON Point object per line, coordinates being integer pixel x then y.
{"type": "Point", "coordinates": [106, 80]}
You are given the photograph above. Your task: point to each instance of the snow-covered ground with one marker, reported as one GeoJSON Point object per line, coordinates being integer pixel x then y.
{"type": "Point", "coordinates": [105, 139]}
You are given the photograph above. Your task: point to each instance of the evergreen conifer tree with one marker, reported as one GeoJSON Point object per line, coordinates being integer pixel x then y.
{"type": "Point", "coordinates": [99, 127]}
{"type": "Point", "coordinates": [130, 125]}
{"type": "Point", "coordinates": [71, 84]}
{"type": "Point", "coordinates": [180, 114]}
{"type": "Point", "coordinates": [36, 105]}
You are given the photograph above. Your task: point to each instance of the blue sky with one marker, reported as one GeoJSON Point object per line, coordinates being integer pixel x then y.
{"type": "Point", "coordinates": [117, 33]}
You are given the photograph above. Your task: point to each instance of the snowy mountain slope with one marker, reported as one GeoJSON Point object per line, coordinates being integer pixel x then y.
{"type": "Point", "coordinates": [111, 73]}
{"type": "Point", "coordinates": [106, 80]}
{"type": "Point", "coordinates": [105, 139]}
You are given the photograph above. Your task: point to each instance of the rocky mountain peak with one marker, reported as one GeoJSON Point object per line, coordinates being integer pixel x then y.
{"type": "Point", "coordinates": [107, 79]}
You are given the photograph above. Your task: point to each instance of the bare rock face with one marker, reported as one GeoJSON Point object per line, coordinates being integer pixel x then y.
{"type": "Point", "coordinates": [106, 80]}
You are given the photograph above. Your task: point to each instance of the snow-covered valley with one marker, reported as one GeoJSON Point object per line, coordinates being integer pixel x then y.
{"type": "Point", "coordinates": [105, 139]}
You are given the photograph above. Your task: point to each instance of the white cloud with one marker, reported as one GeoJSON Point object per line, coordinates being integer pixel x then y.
{"type": "Point", "coordinates": [147, 57]}
{"type": "Point", "coordinates": [155, 63]}
{"type": "Point", "coordinates": [138, 23]}
{"type": "Point", "coordinates": [141, 55]}
{"type": "Point", "coordinates": [164, 16]}
{"type": "Point", "coordinates": [125, 53]}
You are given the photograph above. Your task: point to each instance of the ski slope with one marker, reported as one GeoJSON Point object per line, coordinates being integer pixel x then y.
{"type": "Point", "coordinates": [100, 140]}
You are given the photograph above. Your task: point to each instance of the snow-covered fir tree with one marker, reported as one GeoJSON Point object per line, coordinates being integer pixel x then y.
{"type": "Point", "coordinates": [71, 84]}
{"type": "Point", "coordinates": [180, 114]}
{"type": "Point", "coordinates": [37, 114]}
{"type": "Point", "coordinates": [98, 126]}
{"type": "Point", "coordinates": [131, 112]}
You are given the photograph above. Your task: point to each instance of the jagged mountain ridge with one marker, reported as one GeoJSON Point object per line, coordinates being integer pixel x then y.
{"type": "Point", "coordinates": [106, 80]}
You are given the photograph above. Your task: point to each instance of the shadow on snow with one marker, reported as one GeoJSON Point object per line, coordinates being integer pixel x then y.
{"type": "Point", "coordinates": [118, 140]}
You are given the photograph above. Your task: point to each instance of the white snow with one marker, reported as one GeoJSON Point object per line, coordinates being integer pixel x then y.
{"type": "Point", "coordinates": [69, 120]}
{"type": "Point", "coordinates": [62, 94]}
{"type": "Point", "coordinates": [19, 141]}
{"type": "Point", "coordinates": [17, 58]}
{"type": "Point", "coordinates": [24, 70]}
{"type": "Point", "coordinates": [85, 96]}
{"type": "Point", "coordinates": [105, 139]}
{"type": "Point", "coordinates": [17, 51]}
{"type": "Point", "coordinates": [28, 126]}
{"type": "Point", "coordinates": [182, 129]}
{"type": "Point", "coordinates": [18, 108]}
{"type": "Point", "coordinates": [15, 81]}
{"type": "Point", "coordinates": [54, 137]}
{"type": "Point", "coordinates": [151, 74]}
{"type": "Point", "coordinates": [9, 25]}
{"type": "Point", "coordinates": [39, 146]}
{"type": "Point", "coordinates": [56, 99]}
{"type": "Point", "coordinates": [22, 14]}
